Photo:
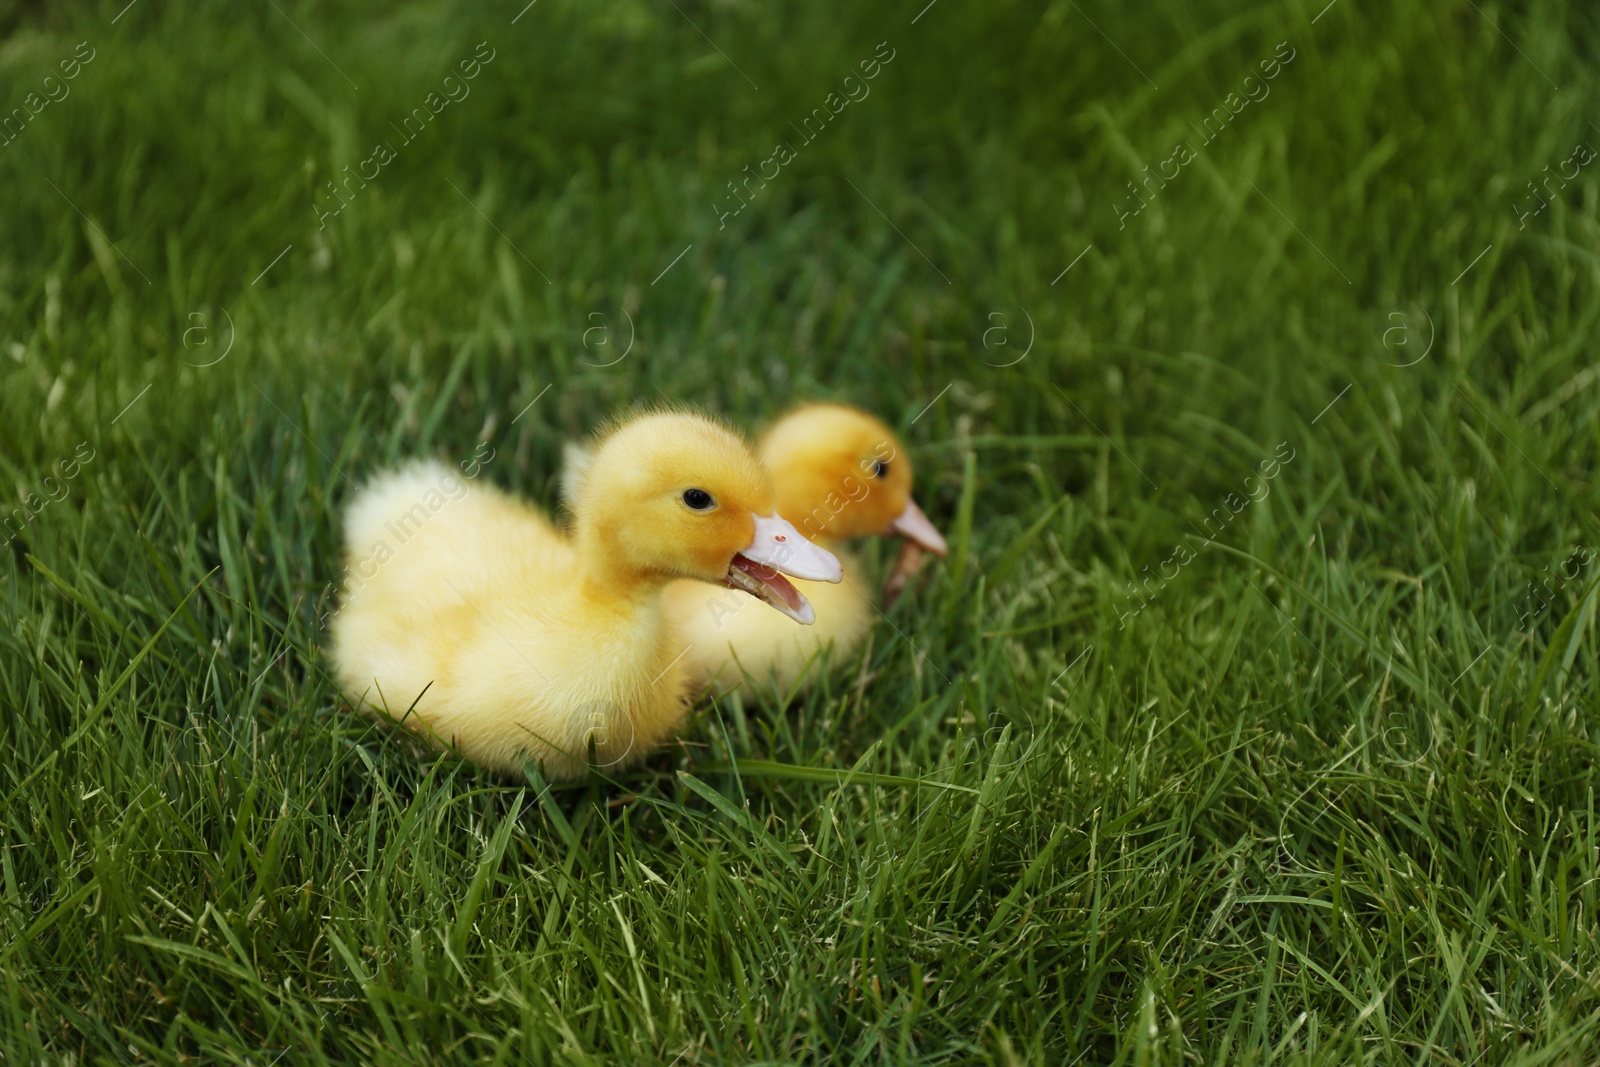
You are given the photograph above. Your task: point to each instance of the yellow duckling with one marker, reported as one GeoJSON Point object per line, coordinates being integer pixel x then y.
{"type": "Point", "coordinates": [487, 629]}
{"type": "Point", "coordinates": [840, 473]}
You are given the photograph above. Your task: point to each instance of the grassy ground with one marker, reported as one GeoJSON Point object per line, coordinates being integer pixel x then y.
{"type": "Point", "coordinates": [1211, 765]}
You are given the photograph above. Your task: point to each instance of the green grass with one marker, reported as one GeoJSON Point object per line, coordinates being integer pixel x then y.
{"type": "Point", "coordinates": [1327, 795]}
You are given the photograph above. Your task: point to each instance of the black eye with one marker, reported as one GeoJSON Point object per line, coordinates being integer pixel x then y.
{"type": "Point", "coordinates": [698, 499]}
{"type": "Point", "coordinates": [880, 469]}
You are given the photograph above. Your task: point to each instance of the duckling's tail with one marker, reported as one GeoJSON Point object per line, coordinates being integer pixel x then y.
{"type": "Point", "coordinates": [574, 465]}
{"type": "Point", "coordinates": [401, 499]}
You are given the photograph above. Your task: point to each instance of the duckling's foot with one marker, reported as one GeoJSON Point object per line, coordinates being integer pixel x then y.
{"type": "Point", "coordinates": [905, 568]}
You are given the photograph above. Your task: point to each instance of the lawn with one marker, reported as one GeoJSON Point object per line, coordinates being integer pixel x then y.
{"type": "Point", "coordinates": [1245, 357]}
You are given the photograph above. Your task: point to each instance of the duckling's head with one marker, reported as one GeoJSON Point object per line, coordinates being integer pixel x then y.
{"type": "Point", "coordinates": [841, 473]}
{"type": "Point", "coordinates": [674, 495]}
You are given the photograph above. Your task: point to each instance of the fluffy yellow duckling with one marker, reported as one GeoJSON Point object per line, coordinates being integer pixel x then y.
{"type": "Point", "coordinates": [487, 629]}
{"type": "Point", "coordinates": [840, 473]}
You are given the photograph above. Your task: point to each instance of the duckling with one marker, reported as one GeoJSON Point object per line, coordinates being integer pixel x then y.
{"type": "Point", "coordinates": [489, 630]}
{"type": "Point", "coordinates": [840, 473]}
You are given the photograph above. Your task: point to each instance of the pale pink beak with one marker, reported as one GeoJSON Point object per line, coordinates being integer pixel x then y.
{"type": "Point", "coordinates": [779, 549]}
{"type": "Point", "coordinates": [914, 525]}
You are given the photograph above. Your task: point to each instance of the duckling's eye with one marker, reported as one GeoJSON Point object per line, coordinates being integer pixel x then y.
{"type": "Point", "coordinates": [880, 469]}
{"type": "Point", "coordinates": [698, 499]}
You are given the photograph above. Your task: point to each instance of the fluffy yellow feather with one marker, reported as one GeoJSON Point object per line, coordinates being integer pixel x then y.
{"type": "Point", "coordinates": [840, 473]}
{"type": "Point", "coordinates": [468, 616]}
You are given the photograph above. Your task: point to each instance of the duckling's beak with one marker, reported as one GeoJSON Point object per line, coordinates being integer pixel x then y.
{"type": "Point", "coordinates": [914, 525]}
{"type": "Point", "coordinates": [779, 547]}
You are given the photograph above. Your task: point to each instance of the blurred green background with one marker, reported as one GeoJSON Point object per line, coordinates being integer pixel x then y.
{"type": "Point", "coordinates": [1325, 793]}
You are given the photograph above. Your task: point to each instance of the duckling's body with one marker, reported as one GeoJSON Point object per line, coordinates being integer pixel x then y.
{"type": "Point", "coordinates": [731, 647]}
{"type": "Point", "coordinates": [489, 630]}
{"type": "Point", "coordinates": [485, 603]}
{"type": "Point", "coordinates": [840, 473]}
